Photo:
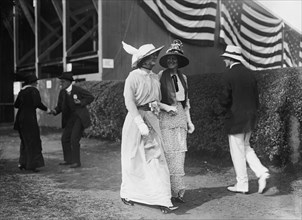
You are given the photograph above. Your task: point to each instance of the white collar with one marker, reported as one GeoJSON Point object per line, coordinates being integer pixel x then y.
{"type": "Point", "coordinates": [146, 71]}
{"type": "Point", "coordinates": [69, 88]}
{"type": "Point", "coordinates": [24, 87]}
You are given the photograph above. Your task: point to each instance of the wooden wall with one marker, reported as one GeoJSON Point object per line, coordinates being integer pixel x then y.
{"type": "Point", "coordinates": [127, 21]}
{"type": "Point", "coordinates": [6, 76]}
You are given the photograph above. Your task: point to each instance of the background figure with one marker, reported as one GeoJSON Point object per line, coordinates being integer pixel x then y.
{"type": "Point", "coordinates": [175, 125]}
{"type": "Point", "coordinates": [28, 100]}
{"type": "Point", "coordinates": [240, 100]}
{"type": "Point", "coordinates": [145, 175]}
{"type": "Point", "coordinates": [72, 103]}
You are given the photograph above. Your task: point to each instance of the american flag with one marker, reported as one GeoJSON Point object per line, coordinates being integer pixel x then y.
{"type": "Point", "coordinates": [292, 47]}
{"type": "Point", "coordinates": [193, 20]}
{"type": "Point", "coordinates": [259, 35]}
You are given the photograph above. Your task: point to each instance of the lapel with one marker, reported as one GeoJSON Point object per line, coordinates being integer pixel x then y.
{"type": "Point", "coordinates": [67, 101]}
{"type": "Point", "coordinates": [73, 91]}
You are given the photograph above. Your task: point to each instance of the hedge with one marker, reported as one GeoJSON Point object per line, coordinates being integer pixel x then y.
{"type": "Point", "coordinates": [107, 111]}
{"type": "Point", "coordinates": [280, 98]}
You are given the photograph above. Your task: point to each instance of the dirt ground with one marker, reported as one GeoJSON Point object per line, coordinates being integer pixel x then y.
{"type": "Point", "coordinates": [92, 191]}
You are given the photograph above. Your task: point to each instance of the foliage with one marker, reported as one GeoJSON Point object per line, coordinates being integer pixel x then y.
{"type": "Point", "coordinates": [208, 136]}
{"type": "Point", "coordinates": [280, 97]}
{"type": "Point", "coordinates": [107, 111]}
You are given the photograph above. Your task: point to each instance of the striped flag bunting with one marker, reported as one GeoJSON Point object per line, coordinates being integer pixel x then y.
{"type": "Point", "coordinates": [192, 20]}
{"type": "Point", "coordinates": [292, 47]}
{"type": "Point", "coordinates": [259, 35]}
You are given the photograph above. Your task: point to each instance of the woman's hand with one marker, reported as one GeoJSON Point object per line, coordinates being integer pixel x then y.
{"type": "Point", "coordinates": [142, 127]}
{"type": "Point", "coordinates": [172, 110]}
{"type": "Point", "coordinates": [191, 127]}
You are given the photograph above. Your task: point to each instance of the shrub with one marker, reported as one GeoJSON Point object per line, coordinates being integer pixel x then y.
{"type": "Point", "coordinates": [280, 97]}
{"type": "Point", "coordinates": [107, 111]}
{"type": "Point", "coordinates": [208, 135]}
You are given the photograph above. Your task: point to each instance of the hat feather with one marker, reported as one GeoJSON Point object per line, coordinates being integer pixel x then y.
{"type": "Point", "coordinates": [129, 49]}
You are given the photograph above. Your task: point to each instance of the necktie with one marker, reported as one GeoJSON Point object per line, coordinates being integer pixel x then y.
{"type": "Point", "coordinates": [174, 78]}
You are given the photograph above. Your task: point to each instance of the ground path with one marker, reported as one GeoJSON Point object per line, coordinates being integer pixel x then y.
{"type": "Point", "coordinates": [92, 191]}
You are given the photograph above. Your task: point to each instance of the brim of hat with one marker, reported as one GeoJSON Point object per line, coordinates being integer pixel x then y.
{"type": "Point", "coordinates": [62, 77]}
{"type": "Point", "coordinates": [182, 60]}
{"type": "Point", "coordinates": [147, 54]}
{"type": "Point", "coordinates": [235, 57]}
{"type": "Point", "coordinates": [30, 81]}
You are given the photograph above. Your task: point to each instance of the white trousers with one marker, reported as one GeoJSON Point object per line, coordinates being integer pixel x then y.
{"type": "Point", "coordinates": [241, 152]}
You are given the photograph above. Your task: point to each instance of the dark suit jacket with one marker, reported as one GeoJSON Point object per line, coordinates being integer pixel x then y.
{"type": "Point", "coordinates": [67, 106]}
{"type": "Point", "coordinates": [240, 99]}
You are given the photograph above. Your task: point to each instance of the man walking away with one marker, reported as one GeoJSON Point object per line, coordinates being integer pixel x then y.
{"type": "Point", "coordinates": [240, 100]}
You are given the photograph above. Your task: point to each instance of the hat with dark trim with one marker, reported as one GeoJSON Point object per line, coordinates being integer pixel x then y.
{"type": "Point", "coordinates": [176, 50]}
{"type": "Point", "coordinates": [66, 76]}
{"type": "Point", "coordinates": [29, 79]}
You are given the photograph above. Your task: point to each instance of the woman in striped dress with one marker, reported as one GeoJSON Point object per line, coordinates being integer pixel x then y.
{"type": "Point", "coordinates": [175, 125]}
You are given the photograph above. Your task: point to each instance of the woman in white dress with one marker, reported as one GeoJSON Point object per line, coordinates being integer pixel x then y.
{"type": "Point", "coordinates": [145, 174]}
{"type": "Point", "coordinates": [174, 127]}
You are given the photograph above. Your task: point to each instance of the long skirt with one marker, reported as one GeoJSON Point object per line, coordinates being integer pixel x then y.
{"type": "Point", "coordinates": [145, 174]}
{"type": "Point", "coordinates": [174, 133]}
{"type": "Point", "coordinates": [31, 148]}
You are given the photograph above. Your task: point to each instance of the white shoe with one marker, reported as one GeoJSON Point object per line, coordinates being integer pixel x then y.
{"type": "Point", "coordinates": [262, 182]}
{"type": "Point", "coordinates": [234, 189]}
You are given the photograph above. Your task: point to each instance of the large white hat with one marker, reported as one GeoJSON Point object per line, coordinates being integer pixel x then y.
{"type": "Point", "coordinates": [233, 52]}
{"type": "Point", "coordinates": [138, 54]}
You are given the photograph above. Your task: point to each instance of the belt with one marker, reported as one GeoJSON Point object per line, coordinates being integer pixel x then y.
{"type": "Point", "coordinates": [145, 107]}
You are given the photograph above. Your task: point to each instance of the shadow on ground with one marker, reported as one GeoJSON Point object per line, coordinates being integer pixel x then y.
{"type": "Point", "coordinates": [100, 175]}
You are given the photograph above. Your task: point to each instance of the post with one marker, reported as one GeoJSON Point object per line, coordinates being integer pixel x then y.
{"type": "Point", "coordinates": [66, 35]}
{"type": "Point", "coordinates": [217, 24]}
{"type": "Point", "coordinates": [37, 37]}
{"type": "Point", "coordinates": [16, 32]}
{"type": "Point", "coordinates": [100, 40]}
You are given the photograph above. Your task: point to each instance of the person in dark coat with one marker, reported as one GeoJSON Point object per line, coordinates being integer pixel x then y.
{"type": "Point", "coordinates": [72, 103]}
{"type": "Point", "coordinates": [28, 100]}
{"type": "Point", "coordinates": [240, 100]}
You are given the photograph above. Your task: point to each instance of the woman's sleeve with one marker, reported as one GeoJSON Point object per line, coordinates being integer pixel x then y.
{"type": "Point", "coordinates": [188, 106]}
{"type": "Point", "coordinates": [17, 102]}
{"type": "Point", "coordinates": [129, 96]}
{"type": "Point", "coordinates": [37, 100]}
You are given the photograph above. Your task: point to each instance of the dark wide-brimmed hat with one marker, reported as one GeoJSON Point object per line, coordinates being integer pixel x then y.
{"type": "Point", "coordinates": [67, 76]}
{"type": "Point", "coordinates": [233, 52]}
{"type": "Point", "coordinates": [29, 79]}
{"type": "Point", "coordinates": [176, 50]}
{"type": "Point", "coordinates": [139, 54]}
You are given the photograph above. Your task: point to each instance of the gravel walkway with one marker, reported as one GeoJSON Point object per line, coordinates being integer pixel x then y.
{"type": "Point", "coordinates": [92, 191]}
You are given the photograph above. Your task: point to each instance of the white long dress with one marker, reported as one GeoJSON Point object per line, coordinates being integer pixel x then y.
{"type": "Point", "coordinates": [145, 174]}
